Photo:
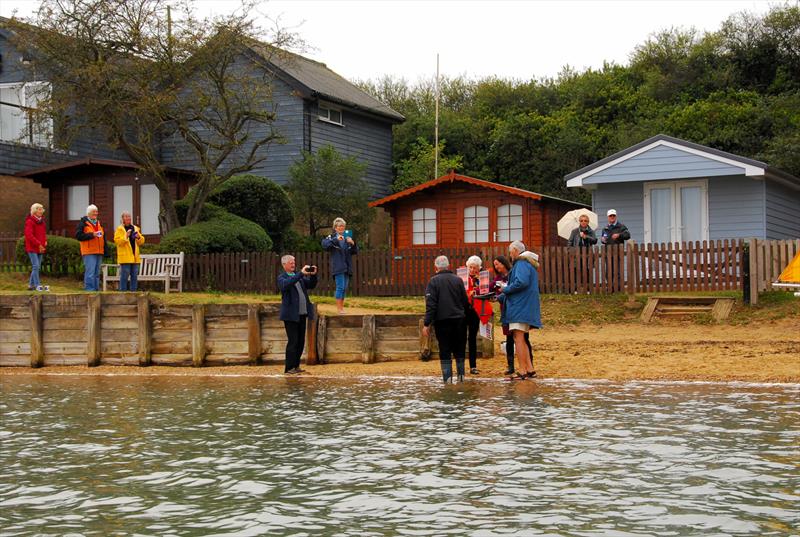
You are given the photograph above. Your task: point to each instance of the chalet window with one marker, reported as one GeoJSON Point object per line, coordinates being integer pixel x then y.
{"type": "Point", "coordinates": [424, 221]}
{"type": "Point", "coordinates": [149, 207]}
{"type": "Point", "coordinates": [19, 120]}
{"type": "Point", "coordinates": [476, 224]}
{"type": "Point", "coordinates": [509, 223]}
{"type": "Point", "coordinates": [77, 201]}
{"type": "Point", "coordinates": [330, 114]}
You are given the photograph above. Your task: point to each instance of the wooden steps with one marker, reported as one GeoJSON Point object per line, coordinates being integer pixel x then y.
{"type": "Point", "coordinates": [719, 307]}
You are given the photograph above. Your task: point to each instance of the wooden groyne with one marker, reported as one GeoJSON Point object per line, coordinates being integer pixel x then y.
{"type": "Point", "coordinates": [136, 330]}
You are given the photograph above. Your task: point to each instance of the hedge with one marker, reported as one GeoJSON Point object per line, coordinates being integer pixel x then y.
{"type": "Point", "coordinates": [228, 233]}
{"type": "Point", "coordinates": [63, 255]}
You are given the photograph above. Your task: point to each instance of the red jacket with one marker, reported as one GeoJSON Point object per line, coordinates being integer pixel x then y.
{"type": "Point", "coordinates": [35, 234]}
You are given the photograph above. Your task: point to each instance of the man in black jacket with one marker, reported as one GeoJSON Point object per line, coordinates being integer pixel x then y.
{"type": "Point", "coordinates": [446, 306]}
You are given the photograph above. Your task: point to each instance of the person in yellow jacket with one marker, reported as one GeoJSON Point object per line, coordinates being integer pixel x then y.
{"type": "Point", "coordinates": [128, 239]}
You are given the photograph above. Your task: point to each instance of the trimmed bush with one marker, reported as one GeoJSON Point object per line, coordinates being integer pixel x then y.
{"type": "Point", "coordinates": [228, 233]}
{"type": "Point", "coordinates": [252, 197]}
{"type": "Point", "coordinates": [62, 254]}
{"type": "Point", "coordinates": [209, 212]}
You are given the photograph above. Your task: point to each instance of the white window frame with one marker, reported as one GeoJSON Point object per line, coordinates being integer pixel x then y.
{"type": "Point", "coordinates": [324, 114]}
{"type": "Point", "coordinates": [506, 220]}
{"type": "Point", "coordinates": [42, 136]}
{"type": "Point", "coordinates": [425, 219]}
{"type": "Point", "coordinates": [675, 186]}
{"type": "Point", "coordinates": [476, 230]}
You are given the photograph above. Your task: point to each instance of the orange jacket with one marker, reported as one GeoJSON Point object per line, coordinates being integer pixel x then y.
{"type": "Point", "coordinates": [89, 243]}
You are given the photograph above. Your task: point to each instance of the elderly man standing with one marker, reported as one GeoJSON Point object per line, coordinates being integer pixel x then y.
{"type": "Point", "coordinates": [522, 310]}
{"type": "Point", "coordinates": [446, 307]}
{"type": "Point", "coordinates": [296, 309]}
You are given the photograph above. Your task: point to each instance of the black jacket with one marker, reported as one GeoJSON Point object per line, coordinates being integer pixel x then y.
{"type": "Point", "coordinates": [576, 240]}
{"type": "Point", "coordinates": [445, 298]}
{"type": "Point", "coordinates": [618, 227]}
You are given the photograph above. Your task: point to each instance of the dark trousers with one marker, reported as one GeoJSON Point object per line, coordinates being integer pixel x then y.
{"type": "Point", "coordinates": [473, 323]}
{"type": "Point", "coordinates": [296, 335]}
{"type": "Point", "coordinates": [510, 349]}
{"type": "Point", "coordinates": [451, 336]}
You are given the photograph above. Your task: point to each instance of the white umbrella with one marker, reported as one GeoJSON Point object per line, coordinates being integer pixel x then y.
{"type": "Point", "coordinates": [569, 221]}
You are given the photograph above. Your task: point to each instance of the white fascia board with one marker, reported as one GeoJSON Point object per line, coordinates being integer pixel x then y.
{"type": "Point", "coordinates": [748, 169]}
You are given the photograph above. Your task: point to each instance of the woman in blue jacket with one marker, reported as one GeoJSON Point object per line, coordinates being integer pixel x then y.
{"type": "Point", "coordinates": [522, 310]}
{"type": "Point", "coordinates": [342, 249]}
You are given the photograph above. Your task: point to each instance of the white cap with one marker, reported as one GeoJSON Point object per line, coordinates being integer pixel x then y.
{"type": "Point", "coordinates": [611, 211]}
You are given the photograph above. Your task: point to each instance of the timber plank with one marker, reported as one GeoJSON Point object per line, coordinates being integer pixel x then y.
{"type": "Point", "coordinates": [121, 310]}
{"type": "Point", "coordinates": [65, 360]}
{"type": "Point", "coordinates": [15, 336]}
{"type": "Point", "coordinates": [171, 348]}
{"type": "Point", "coordinates": [20, 348]}
{"type": "Point", "coordinates": [175, 360]}
{"type": "Point", "coordinates": [15, 360]}
{"type": "Point", "coordinates": [15, 324]}
{"type": "Point", "coordinates": [67, 336]}
{"type": "Point", "coordinates": [118, 323]}
{"type": "Point", "coordinates": [65, 348]}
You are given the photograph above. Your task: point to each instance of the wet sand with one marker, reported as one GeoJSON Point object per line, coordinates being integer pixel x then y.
{"type": "Point", "coordinates": [768, 352]}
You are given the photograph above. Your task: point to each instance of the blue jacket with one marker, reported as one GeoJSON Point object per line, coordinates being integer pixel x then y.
{"type": "Point", "coordinates": [290, 298]}
{"type": "Point", "coordinates": [521, 295]}
{"type": "Point", "coordinates": [341, 254]}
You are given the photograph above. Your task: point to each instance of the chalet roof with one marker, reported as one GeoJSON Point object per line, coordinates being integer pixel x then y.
{"type": "Point", "coordinates": [39, 173]}
{"type": "Point", "coordinates": [452, 177]}
{"type": "Point", "coordinates": [748, 166]}
{"type": "Point", "coordinates": [315, 79]}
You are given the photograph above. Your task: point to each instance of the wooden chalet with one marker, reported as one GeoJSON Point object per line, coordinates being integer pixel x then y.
{"type": "Point", "coordinates": [457, 211]}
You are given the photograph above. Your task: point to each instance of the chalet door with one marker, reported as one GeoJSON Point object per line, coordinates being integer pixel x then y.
{"type": "Point", "coordinates": [676, 212]}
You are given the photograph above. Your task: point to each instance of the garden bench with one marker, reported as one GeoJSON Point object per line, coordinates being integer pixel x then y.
{"type": "Point", "coordinates": [165, 268]}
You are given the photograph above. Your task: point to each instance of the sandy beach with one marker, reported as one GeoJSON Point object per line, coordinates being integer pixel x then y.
{"type": "Point", "coordinates": [769, 352]}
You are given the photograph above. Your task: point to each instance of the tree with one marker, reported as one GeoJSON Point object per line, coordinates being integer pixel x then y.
{"type": "Point", "coordinates": [142, 74]}
{"type": "Point", "coordinates": [420, 166]}
{"type": "Point", "coordinates": [325, 185]}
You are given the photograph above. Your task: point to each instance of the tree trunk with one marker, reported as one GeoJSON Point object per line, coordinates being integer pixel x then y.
{"type": "Point", "coordinates": [201, 194]}
{"type": "Point", "coordinates": [168, 217]}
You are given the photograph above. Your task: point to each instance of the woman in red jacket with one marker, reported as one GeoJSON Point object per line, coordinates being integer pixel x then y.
{"type": "Point", "coordinates": [35, 244]}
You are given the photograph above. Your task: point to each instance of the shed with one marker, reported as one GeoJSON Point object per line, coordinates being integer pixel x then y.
{"type": "Point", "coordinates": [670, 190]}
{"type": "Point", "coordinates": [456, 210]}
{"type": "Point", "coordinates": [113, 185]}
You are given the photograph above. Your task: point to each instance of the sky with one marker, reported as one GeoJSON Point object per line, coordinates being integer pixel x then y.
{"type": "Point", "coordinates": [520, 39]}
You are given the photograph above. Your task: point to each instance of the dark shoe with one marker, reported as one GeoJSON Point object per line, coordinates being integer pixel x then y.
{"type": "Point", "coordinates": [290, 372]}
{"type": "Point", "coordinates": [517, 377]}
{"type": "Point", "coordinates": [473, 371]}
{"type": "Point", "coordinates": [509, 372]}
{"type": "Point", "coordinates": [531, 375]}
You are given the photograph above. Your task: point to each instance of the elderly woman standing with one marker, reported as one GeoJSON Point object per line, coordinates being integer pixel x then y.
{"type": "Point", "coordinates": [35, 244]}
{"type": "Point", "coordinates": [342, 249]}
{"type": "Point", "coordinates": [90, 233]}
{"type": "Point", "coordinates": [128, 239]}
{"type": "Point", "coordinates": [478, 308]}
{"type": "Point", "coordinates": [522, 310]}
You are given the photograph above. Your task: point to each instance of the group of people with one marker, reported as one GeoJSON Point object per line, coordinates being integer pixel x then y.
{"type": "Point", "coordinates": [615, 232]}
{"type": "Point", "coordinates": [128, 240]}
{"type": "Point", "coordinates": [450, 308]}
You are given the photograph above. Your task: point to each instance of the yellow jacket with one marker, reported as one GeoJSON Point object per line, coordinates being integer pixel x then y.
{"type": "Point", "coordinates": [124, 251]}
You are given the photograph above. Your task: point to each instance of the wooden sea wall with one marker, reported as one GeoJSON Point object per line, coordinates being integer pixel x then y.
{"type": "Point", "coordinates": [135, 330]}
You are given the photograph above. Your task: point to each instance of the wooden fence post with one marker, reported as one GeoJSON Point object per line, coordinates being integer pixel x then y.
{"type": "Point", "coordinates": [322, 336]}
{"type": "Point", "coordinates": [631, 264]}
{"type": "Point", "coordinates": [93, 331]}
{"type": "Point", "coordinates": [368, 339]}
{"type": "Point", "coordinates": [145, 329]}
{"type": "Point", "coordinates": [312, 352]}
{"type": "Point", "coordinates": [37, 345]}
{"type": "Point", "coordinates": [253, 334]}
{"type": "Point", "coordinates": [754, 262]}
{"type": "Point", "coordinates": [198, 335]}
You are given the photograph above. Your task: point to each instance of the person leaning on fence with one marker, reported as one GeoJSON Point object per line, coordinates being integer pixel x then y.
{"type": "Point", "coordinates": [521, 307]}
{"type": "Point", "coordinates": [128, 239]}
{"type": "Point", "coordinates": [446, 305]}
{"type": "Point", "coordinates": [36, 245]}
{"type": "Point", "coordinates": [342, 249]}
{"type": "Point", "coordinates": [296, 309]}
{"type": "Point", "coordinates": [90, 233]}
{"type": "Point", "coordinates": [477, 309]}
{"type": "Point", "coordinates": [502, 267]}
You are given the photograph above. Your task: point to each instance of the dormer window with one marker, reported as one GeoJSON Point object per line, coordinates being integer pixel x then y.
{"type": "Point", "coordinates": [330, 114]}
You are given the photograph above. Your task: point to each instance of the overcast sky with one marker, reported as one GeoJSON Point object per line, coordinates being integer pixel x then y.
{"type": "Point", "coordinates": [513, 39]}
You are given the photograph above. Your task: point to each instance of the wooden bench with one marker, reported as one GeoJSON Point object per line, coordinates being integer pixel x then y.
{"type": "Point", "coordinates": [165, 268]}
{"type": "Point", "coordinates": [719, 307]}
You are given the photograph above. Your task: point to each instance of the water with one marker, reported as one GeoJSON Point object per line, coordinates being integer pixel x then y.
{"type": "Point", "coordinates": [254, 456]}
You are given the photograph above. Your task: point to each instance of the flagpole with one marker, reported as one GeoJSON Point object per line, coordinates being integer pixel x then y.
{"type": "Point", "coordinates": [436, 124]}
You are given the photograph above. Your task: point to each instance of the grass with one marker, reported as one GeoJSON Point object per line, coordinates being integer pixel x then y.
{"type": "Point", "coordinates": [556, 309]}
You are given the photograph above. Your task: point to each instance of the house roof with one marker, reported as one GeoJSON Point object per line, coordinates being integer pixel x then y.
{"type": "Point", "coordinates": [749, 167]}
{"type": "Point", "coordinates": [37, 173]}
{"type": "Point", "coordinates": [315, 79]}
{"type": "Point", "coordinates": [452, 177]}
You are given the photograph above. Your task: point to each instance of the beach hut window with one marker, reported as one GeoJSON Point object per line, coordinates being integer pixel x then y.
{"type": "Point", "coordinates": [77, 201]}
{"type": "Point", "coordinates": [509, 223]}
{"type": "Point", "coordinates": [476, 224]}
{"type": "Point", "coordinates": [330, 114]}
{"type": "Point", "coordinates": [424, 222]}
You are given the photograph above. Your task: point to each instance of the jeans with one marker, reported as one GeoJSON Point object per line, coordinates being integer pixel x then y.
{"type": "Point", "coordinates": [473, 324]}
{"type": "Point", "coordinates": [36, 266]}
{"type": "Point", "coordinates": [91, 272]}
{"type": "Point", "coordinates": [296, 335]}
{"type": "Point", "coordinates": [128, 271]}
{"type": "Point", "coordinates": [510, 349]}
{"type": "Point", "coordinates": [451, 334]}
{"type": "Point", "coordinates": [341, 284]}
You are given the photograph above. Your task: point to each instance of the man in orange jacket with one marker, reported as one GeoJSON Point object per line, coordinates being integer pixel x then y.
{"type": "Point", "coordinates": [93, 244]}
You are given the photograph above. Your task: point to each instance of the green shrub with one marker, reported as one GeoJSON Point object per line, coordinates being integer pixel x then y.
{"type": "Point", "coordinates": [228, 233]}
{"type": "Point", "coordinates": [260, 200]}
{"type": "Point", "coordinates": [294, 242]}
{"type": "Point", "coordinates": [209, 212]}
{"type": "Point", "coordinates": [63, 254]}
